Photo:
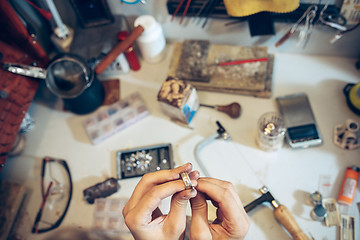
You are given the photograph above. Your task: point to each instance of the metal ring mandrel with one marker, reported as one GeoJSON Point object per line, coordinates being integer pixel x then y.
{"type": "Point", "coordinates": [187, 181]}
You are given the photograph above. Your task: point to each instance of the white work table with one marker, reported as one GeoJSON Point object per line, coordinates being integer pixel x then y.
{"type": "Point", "coordinates": [291, 175]}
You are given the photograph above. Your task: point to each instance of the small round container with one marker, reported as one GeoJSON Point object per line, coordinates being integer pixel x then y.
{"type": "Point", "coordinates": [319, 212]}
{"type": "Point", "coordinates": [152, 41]}
{"type": "Point", "coordinates": [270, 131]}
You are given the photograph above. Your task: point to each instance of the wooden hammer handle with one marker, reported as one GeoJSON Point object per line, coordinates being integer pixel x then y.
{"type": "Point", "coordinates": [284, 216]}
{"type": "Point", "coordinates": [119, 48]}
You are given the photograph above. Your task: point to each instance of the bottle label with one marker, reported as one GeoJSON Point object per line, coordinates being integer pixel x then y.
{"type": "Point", "coordinates": [349, 187]}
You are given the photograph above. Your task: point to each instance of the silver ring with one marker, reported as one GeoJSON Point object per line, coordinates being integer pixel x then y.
{"type": "Point", "coordinates": [186, 179]}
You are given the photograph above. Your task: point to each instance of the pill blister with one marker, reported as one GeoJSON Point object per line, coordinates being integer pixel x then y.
{"type": "Point", "coordinates": [113, 118]}
{"type": "Point", "coordinates": [108, 216]}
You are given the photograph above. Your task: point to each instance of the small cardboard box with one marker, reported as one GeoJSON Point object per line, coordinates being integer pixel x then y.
{"type": "Point", "coordinates": [178, 100]}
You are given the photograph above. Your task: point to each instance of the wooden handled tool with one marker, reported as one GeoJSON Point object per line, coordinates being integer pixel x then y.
{"type": "Point", "coordinates": [119, 48]}
{"type": "Point", "coordinates": [284, 216]}
{"type": "Point", "coordinates": [232, 109]}
{"type": "Point", "coordinates": [281, 213]}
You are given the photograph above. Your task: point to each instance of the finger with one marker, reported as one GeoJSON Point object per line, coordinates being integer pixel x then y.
{"type": "Point", "coordinates": [219, 216]}
{"type": "Point", "coordinates": [176, 219]}
{"type": "Point", "coordinates": [179, 200]}
{"type": "Point", "coordinates": [195, 175]}
{"type": "Point", "coordinates": [151, 179]}
{"type": "Point", "coordinates": [151, 200]}
{"type": "Point", "coordinates": [199, 228]}
{"type": "Point", "coordinates": [231, 216]}
{"type": "Point", "coordinates": [228, 202]}
{"type": "Point", "coordinates": [225, 184]}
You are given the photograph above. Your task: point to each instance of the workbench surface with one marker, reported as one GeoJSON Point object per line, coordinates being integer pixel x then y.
{"type": "Point", "coordinates": [291, 175]}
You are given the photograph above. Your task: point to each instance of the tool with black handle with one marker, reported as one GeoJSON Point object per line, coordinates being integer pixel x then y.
{"type": "Point", "coordinates": [281, 213]}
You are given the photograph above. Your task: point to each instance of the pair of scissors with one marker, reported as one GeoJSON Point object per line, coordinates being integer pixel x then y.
{"type": "Point", "coordinates": [334, 20]}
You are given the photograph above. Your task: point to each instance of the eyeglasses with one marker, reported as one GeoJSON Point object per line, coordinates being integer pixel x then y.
{"type": "Point", "coordinates": [57, 196]}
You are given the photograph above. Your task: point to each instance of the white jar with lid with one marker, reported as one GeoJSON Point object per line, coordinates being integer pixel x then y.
{"type": "Point", "coordinates": [152, 41]}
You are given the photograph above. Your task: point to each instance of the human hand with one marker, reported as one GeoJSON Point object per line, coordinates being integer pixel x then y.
{"type": "Point", "coordinates": [141, 213]}
{"type": "Point", "coordinates": [232, 221]}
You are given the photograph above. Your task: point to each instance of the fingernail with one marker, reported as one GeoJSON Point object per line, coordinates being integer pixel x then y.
{"type": "Point", "coordinates": [194, 183]}
{"type": "Point", "coordinates": [193, 192]}
{"type": "Point", "coordinates": [188, 166]}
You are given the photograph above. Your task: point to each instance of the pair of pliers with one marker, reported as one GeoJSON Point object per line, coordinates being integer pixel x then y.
{"type": "Point", "coordinates": [178, 8]}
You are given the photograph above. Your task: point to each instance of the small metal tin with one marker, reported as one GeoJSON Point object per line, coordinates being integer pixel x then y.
{"type": "Point", "coordinates": [319, 212]}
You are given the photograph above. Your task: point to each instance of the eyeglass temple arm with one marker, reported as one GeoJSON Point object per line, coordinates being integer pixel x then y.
{"type": "Point", "coordinates": [38, 217]}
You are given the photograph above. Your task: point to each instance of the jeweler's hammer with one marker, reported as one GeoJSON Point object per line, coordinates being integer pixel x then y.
{"type": "Point", "coordinates": [281, 213]}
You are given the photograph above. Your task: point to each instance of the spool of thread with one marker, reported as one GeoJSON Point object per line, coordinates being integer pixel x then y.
{"type": "Point", "coordinates": [348, 186]}
{"type": "Point", "coordinates": [152, 41]}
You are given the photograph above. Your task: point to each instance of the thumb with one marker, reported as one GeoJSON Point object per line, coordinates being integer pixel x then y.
{"type": "Point", "coordinates": [177, 213]}
{"type": "Point", "coordinates": [199, 228]}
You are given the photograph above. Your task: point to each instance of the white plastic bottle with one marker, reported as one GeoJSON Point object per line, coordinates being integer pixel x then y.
{"type": "Point", "coordinates": [152, 41]}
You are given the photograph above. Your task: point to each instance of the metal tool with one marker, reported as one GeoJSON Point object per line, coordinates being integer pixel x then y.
{"type": "Point", "coordinates": [307, 29]}
{"type": "Point", "coordinates": [294, 28]}
{"type": "Point", "coordinates": [281, 213]}
{"type": "Point", "coordinates": [178, 8]}
{"type": "Point", "coordinates": [25, 70]}
{"type": "Point", "coordinates": [221, 134]}
{"type": "Point", "coordinates": [232, 109]}
{"type": "Point", "coordinates": [336, 21]}
{"type": "Point", "coordinates": [210, 6]}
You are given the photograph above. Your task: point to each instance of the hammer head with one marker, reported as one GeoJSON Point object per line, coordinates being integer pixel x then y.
{"type": "Point", "coordinates": [265, 197]}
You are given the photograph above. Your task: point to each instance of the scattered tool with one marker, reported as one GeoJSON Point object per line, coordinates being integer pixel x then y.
{"type": "Point", "coordinates": [119, 48]}
{"type": "Point", "coordinates": [232, 109]}
{"type": "Point", "coordinates": [242, 61]}
{"type": "Point", "coordinates": [221, 134]}
{"type": "Point", "coordinates": [210, 6]}
{"type": "Point", "coordinates": [178, 8]}
{"type": "Point", "coordinates": [281, 213]}
{"type": "Point", "coordinates": [309, 14]}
